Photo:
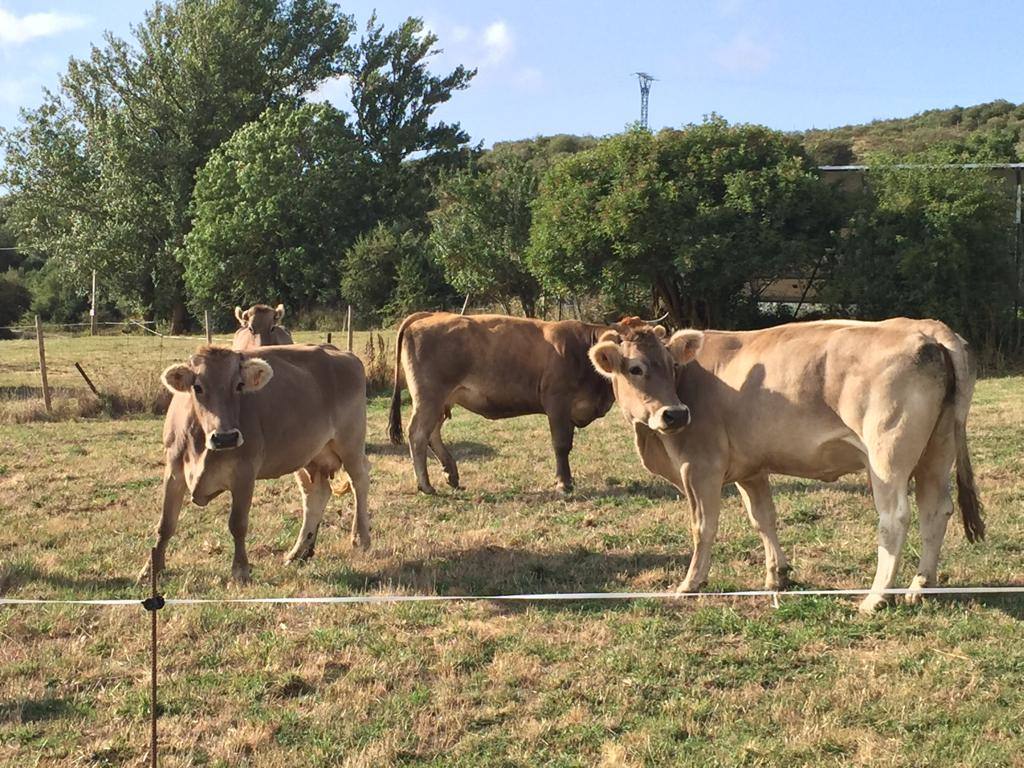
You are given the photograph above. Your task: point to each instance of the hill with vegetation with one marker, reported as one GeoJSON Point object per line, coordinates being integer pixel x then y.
{"type": "Point", "coordinates": [991, 132]}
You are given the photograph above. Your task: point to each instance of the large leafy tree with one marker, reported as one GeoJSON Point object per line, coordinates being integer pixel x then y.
{"type": "Point", "coordinates": [929, 239]}
{"type": "Point", "coordinates": [481, 229]}
{"type": "Point", "coordinates": [275, 208]}
{"type": "Point", "coordinates": [698, 217]}
{"type": "Point", "coordinates": [104, 169]}
{"type": "Point", "coordinates": [394, 97]}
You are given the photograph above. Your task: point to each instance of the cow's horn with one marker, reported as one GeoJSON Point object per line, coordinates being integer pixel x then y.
{"type": "Point", "coordinates": [659, 320]}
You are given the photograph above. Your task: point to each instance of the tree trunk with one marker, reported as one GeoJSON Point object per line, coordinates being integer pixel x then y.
{"type": "Point", "coordinates": [179, 318]}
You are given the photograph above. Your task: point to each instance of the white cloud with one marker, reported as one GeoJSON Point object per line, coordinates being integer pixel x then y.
{"type": "Point", "coordinates": [20, 29]}
{"type": "Point", "coordinates": [743, 55]}
{"type": "Point", "coordinates": [497, 42]}
{"type": "Point", "coordinates": [336, 90]}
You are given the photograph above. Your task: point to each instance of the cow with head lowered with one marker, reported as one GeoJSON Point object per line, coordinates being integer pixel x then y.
{"type": "Point", "coordinates": [498, 367]}
{"type": "Point", "coordinates": [259, 326]}
{"type": "Point", "coordinates": [815, 400]}
{"type": "Point", "coordinates": [238, 417]}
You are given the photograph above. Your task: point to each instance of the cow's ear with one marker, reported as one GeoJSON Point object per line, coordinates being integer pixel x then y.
{"type": "Point", "coordinates": [660, 332]}
{"type": "Point", "coordinates": [256, 372]}
{"type": "Point", "coordinates": [278, 313]}
{"type": "Point", "coordinates": [606, 358]}
{"type": "Point", "coordinates": [610, 335]}
{"type": "Point", "coordinates": [685, 344]}
{"type": "Point", "coordinates": [238, 316]}
{"type": "Point", "coordinates": [178, 378]}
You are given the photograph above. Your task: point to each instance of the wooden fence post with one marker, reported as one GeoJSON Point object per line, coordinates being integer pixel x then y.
{"type": "Point", "coordinates": [348, 324]}
{"type": "Point", "coordinates": [464, 305]}
{"type": "Point", "coordinates": [209, 333]}
{"type": "Point", "coordinates": [42, 365]}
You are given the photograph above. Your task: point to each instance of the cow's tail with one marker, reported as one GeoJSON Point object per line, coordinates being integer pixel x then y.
{"type": "Point", "coordinates": [395, 416]}
{"type": "Point", "coordinates": [964, 374]}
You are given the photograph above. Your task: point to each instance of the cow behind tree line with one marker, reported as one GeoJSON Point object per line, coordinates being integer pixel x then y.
{"type": "Point", "coordinates": [237, 417]}
{"type": "Point", "coordinates": [498, 367]}
{"type": "Point", "coordinates": [815, 400]}
{"type": "Point", "coordinates": [259, 327]}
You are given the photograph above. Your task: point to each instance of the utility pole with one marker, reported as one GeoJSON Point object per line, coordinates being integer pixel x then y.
{"type": "Point", "coordinates": [645, 93]}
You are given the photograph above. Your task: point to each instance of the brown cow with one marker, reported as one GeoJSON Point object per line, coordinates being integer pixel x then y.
{"type": "Point", "coordinates": [238, 417]}
{"type": "Point", "coordinates": [815, 400]}
{"type": "Point", "coordinates": [259, 327]}
{"type": "Point", "coordinates": [498, 367]}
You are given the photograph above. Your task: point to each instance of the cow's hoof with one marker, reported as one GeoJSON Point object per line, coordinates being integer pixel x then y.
{"type": "Point", "coordinates": [872, 603]}
{"type": "Point", "coordinates": [687, 587]}
{"type": "Point", "coordinates": [427, 489]}
{"type": "Point", "coordinates": [453, 481]}
{"type": "Point", "coordinates": [361, 542]}
{"type": "Point", "coordinates": [564, 489]}
{"type": "Point", "coordinates": [915, 598]}
{"type": "Point", "coordinates": [240, 574]}
{"type": "Point", "coordinates": [774, 581]}
{"type": "Point", "coordinates": [143, 578]}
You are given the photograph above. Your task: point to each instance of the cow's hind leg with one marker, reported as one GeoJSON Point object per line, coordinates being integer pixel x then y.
{"type": "Point", "coordinates": [421, 425]}
{"type": "Point", "coordinates": [173, 498]}
{"type": "Point", "coordinates": [451, 469]}
{"type": "Point", "coordinates": [756, 493]}
{"type": "Point", "coordinates": [934, 503]}
{"type": "Point", "coordinates": [316, 492]}
{"type": "Point", "coordinates": [893, 505]}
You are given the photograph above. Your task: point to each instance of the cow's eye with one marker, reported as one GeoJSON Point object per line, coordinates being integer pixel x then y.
{"type": "Point", "coordinates": [197, 389]}
{"type": "Point", "coordinates": [239, 386]}
{"type": "Point", "coordinates": [636, 370]}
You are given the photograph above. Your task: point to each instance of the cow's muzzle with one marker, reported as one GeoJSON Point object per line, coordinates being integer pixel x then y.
{"type": "Point", "coordinates": [224, 441]}
{"type": "Point", "coordinates": [670, 419]}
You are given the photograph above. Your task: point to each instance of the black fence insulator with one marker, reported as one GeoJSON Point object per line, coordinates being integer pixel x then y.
{"type": "Point", "coordinates": [154, 603]}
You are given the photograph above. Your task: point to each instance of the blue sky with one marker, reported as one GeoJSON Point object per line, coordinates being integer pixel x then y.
{"type": "Point", "coordinates": [565, 67]}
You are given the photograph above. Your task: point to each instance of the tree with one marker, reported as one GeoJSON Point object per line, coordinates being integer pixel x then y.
{"type": "Point", "coordinates": [929, 241]}
{"type": "Point", "coordinates": [387, 273]}
{"type": "Point", "coordinates": [104, 169]}
{"type": "Point", "coordinates": [698, 217]}
{"type": "Point", "coordinates": [274, 209]}
{"type": "Point", "coordinates": [394, 96]}
{"type": "Point", "coordinates": [481, 229]}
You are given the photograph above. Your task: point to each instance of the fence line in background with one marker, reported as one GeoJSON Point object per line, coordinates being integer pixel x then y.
{"type": "Point", "coordinates": [42, 365]}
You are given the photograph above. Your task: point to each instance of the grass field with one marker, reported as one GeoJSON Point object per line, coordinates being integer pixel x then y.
{"type": "Point", "coordinates": [696, 682]}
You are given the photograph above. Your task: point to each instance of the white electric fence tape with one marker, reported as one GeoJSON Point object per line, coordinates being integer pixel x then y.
{"type": "Point", "coordinates": [548, 596]}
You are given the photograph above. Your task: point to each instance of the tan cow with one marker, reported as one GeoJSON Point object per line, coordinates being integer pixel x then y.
{"type": "Point", "coordinates": [498, 367]}
{"type": "Point", "coordinates": [815, 400]}
{"type": "Point", "coordinates": [239, 417]}
{"type": "Point", "coordinates": [259, 327]}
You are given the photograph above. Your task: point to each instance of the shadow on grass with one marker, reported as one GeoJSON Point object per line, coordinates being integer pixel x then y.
{"type": "Point", "coordinates": [37, 710]}
{"type": "Point", "coordinates": [462, 450]}
{"type": "Point", "coordinates": [494, 570]}
{"type": "Point", "coordinates": [19, 575]}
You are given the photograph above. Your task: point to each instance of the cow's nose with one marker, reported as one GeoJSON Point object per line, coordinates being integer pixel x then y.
{"type": "Point", "coordinates": [675, 418]}
{"type": "Point", "coordinates": [221, 441]}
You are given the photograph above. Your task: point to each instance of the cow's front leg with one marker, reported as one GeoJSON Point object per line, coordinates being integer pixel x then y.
{"type": "Point", "coordinates": [238, 524]}
{"type": "Point", "coordinates": [316, 492]}
{"type": "Point", "coordinates": [704, 492]}
{"type": "Point", "coordinates": [756, 493]}
{"type": "Point", "coordinates": [173, 497]}
{"type": "Point", "coordinates": [562, 432]}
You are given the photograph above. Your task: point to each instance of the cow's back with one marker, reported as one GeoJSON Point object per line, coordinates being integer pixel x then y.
{"type": "Point", "coordinates": [783, 396]}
